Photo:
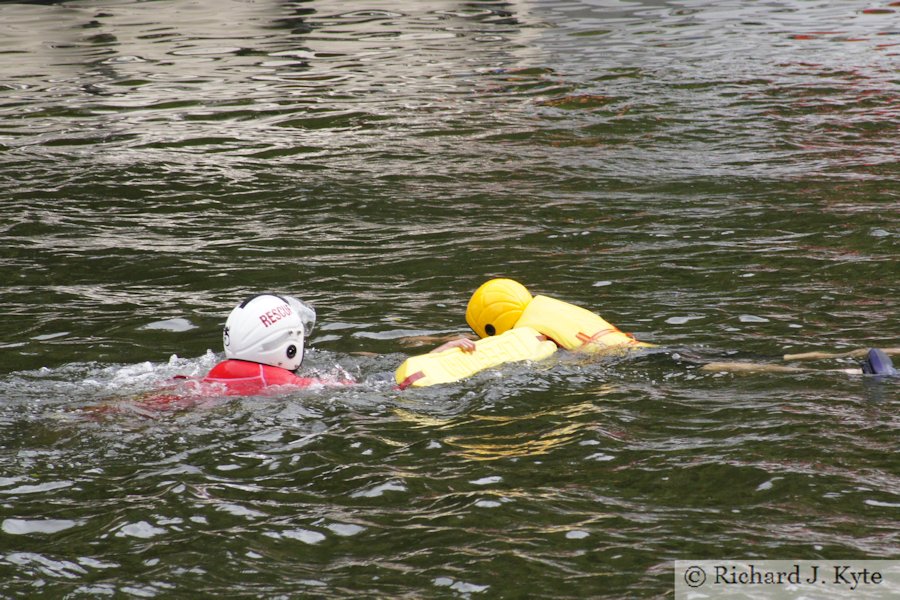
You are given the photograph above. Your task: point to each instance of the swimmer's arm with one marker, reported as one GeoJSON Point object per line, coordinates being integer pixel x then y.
{"type": "Point", "coordinates": [467, 345]}
{"type": "Point", "coordinates": [464, 344]}
{"type": "Point", "coordinates": [417, 341]}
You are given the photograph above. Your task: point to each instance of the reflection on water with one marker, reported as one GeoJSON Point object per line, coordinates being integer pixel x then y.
{"type": "Point", "coordinates": [493, 436]}
{"type": "Point", "coordinates": [717, 179]}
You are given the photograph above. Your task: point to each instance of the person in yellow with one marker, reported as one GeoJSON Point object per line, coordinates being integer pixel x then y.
{"type": "Point", "coordinates": [513, 325]}
{"type": "Point", "coordinates": [503, 304]}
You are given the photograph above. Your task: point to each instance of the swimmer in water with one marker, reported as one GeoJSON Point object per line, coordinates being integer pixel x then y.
{"type": "Point", "coordinates": [501, 304]}
{"type": "Point", "coordinates": [513, 326]}
{"type": "Point", "coordinates": [264, 338]}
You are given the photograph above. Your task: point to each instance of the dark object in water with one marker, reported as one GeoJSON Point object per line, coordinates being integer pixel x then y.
{"type": "Point", "coordinates": [878, 363]}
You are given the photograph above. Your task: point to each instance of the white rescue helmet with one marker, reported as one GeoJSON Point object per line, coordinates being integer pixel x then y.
{"type": "Point", "coordinates": [269, 329]}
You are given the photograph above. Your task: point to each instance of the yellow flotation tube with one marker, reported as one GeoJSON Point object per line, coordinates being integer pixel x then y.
{"type": "Point", "coordinates": [454, 364]}
{"type": "Point", "coordinates": [573, 327]}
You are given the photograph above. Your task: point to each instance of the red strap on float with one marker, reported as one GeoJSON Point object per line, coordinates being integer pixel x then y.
{"type": "Point", "coordinates": [587, 339]}
{"type": "Point", "coordinates": [411, 379]}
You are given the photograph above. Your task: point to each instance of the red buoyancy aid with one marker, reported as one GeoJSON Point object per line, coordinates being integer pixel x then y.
{"type": "Point", "coordinates": [244, 378]}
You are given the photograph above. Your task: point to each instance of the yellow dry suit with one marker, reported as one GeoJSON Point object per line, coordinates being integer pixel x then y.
{"type": "Point", "coordinates": [510, 322]}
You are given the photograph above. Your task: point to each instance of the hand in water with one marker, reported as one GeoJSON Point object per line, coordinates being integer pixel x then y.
{"type": "Point", "coordinates": [464, 344]}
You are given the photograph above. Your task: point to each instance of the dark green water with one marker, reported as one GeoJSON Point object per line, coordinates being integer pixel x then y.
{"type": "Point", "coordinates": [720, 178]}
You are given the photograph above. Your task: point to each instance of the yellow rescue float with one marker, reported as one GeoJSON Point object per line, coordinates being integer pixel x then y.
{"type": "Point", "coordinates": [455, 364]}
{"type": "Point", "coordinates": [515, 326]}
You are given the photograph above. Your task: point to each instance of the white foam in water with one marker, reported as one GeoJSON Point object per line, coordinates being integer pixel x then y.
{"type": "Point", "coordinates": [345, 529]}
{"type": "Point", "coordinates": [460, 586]}
{"type": "Point", "coordinates": [752, 319]}
{"type": "Point", "coordinates": [487, 480]}
{"type": "Point", "coordinates": [765, 485]}
{"type": "Point", "coordinates": [487, 504]}
{"type": "Point", "coordinates": [88, 381]}
{"type": "Point", "coordinates": [50, 336]}
{"type": "Point", "coordinates": [601, 457]}
{"type": "Point", "coordinates": [883, 504]}
{"type": "Point", "coordinates": [175, 325]}
{"type": "Point", "coordinates": [379, 490]}
{"type": "Point", "coordinates": [39, 488]}
{"type": "Point", "coordinates": [141, 529]}
{"type": "Point", "coordinates": [93, 563]}
{"type": "Point", "coordinates": [239, 511]}
{"type": "Point", "coordinates": [682, 320]}
{"type": "Point", "coordinates": [27, 526]}
{"type": "Point", "coordinates": [53, 568]}
{"type": "Point", "coordinates": [303, 535]}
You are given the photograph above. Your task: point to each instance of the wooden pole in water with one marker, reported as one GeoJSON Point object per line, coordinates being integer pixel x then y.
{"type": "Point", "coordinates": [858, 353]}
{"type": "Point", "coordinates": [748, 367]}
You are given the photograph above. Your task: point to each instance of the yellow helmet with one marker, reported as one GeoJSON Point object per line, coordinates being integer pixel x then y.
{"type": "Point", "coordinates": [495, 307]}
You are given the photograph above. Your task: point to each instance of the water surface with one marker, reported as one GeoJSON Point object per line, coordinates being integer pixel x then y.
{"type": "Point", "coordinates": [717, 178]}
